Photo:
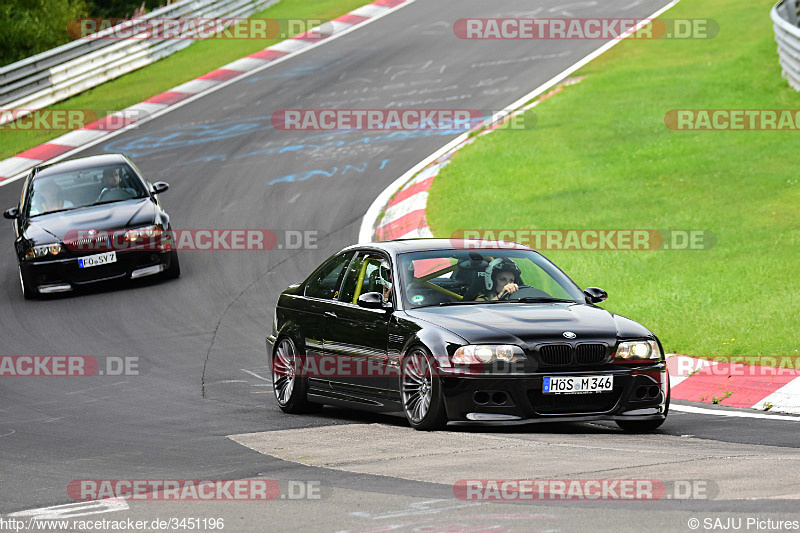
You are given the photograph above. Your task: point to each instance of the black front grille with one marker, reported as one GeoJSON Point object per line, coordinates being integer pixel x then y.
{"type": "Point", "coordinates": [556, 354]}
{"type": "Point", "coordinates": [596, 402]}
{"type": "Point", "coordinates": [590, 354]}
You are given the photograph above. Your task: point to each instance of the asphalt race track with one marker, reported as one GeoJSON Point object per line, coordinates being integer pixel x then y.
{"type": "Point", "coordinates": [200, 339]}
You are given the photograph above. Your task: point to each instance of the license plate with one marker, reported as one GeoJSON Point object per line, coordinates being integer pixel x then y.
{"type": "Point", "coordinates": [577, 384]}
{"type": "Point", "coordinates": [97, 260]}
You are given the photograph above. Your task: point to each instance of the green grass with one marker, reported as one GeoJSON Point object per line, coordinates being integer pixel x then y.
{"type": "Point", "coordinates": [199, 58]}
{"type": "Point", "coordinates": [602, 157]}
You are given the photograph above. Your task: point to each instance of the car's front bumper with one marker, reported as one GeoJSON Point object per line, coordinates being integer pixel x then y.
{"type": "Point", "coordinates": [61, 275]}
{"type": "Point", "coordinates": [639, 393]}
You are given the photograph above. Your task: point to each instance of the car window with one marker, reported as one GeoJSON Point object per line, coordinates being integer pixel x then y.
{"type": "Point", "coordinates": [84, 187]}
{"type": "Point", "coordinates": [324, 282]}
{"type": "Point", "coordinates": [368, 272]}
{"type": "Point", "coordinates": [451, 276]}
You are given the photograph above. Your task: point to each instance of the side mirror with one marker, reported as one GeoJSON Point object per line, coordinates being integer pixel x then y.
{"type": "Point", "coordinates": [374, 300]}
{"type": "Point", "coordinates": [595, 294]}
{"type": "Point", "coordinates": [160, 186]}
{"type": "Point", "coordinates": [11, 214]}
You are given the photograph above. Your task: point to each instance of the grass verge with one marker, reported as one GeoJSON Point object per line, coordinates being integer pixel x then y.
{"type": "Point", "coordinates": [602, 157]}
{"type": "Point", "coordinates": [200, 57]}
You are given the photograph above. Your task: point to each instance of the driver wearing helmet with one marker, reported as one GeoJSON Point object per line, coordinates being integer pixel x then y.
{"type": "Point", "coordinates": [501, 278]}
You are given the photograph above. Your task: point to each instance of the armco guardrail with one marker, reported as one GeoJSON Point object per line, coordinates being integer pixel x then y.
{"type": "Point", "coordinates": [57, 74]}
{"type": "Point", "coordinates": [787, 34]}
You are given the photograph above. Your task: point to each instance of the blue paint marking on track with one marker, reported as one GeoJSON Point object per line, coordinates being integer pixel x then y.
{"type": "Point", "coordinates": [328, 173]}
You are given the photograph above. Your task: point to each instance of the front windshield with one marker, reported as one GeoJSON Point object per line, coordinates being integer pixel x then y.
{"type": "Point", "coordinates": [85, 187]}
{"type": "Point", "coordinates": [450, 277]}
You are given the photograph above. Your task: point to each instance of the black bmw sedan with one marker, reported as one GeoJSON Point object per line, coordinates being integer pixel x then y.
{"type": "Point", "coordinates": [90, 219]}
{"type": "Point", "coordinates": [440, 332]}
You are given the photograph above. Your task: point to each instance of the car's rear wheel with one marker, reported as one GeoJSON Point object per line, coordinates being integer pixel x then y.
{"type": "Point", "coordinates": [290, 388]}
{"type": "Point", "coordinates": [27, 291]}
{"type": "Point", "coordinates": [421, 391]}
{"type": "Point", "coordinates": [643, 426]}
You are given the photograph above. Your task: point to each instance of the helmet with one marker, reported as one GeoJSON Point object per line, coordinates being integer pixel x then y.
{"type": "Point", "coordinates": [498, 265]}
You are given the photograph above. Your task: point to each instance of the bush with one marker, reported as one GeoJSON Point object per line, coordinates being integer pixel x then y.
{"type": "Point", "coordinates": [31, 27]}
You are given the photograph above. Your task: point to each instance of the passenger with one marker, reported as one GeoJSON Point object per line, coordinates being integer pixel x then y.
{"type": "Point", "coordinates": [501, 278]}
{"type": "Point", "coordinates": [47, 198]}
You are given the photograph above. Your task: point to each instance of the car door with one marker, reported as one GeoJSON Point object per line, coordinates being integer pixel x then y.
{"type": "Point", "coordinates": [357, 337]}
{"type": "Point", "coordinates": [321, 290]}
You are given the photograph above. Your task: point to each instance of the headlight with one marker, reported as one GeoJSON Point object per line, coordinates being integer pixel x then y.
{"type": "Point", "coordinates": [43, 250]}
{"type": "Point", "coordinates": [143, 234]}
{"type": "Point", "coordinates": [487, 353]}
{"type": "Point", "coordinates": [637, 350]}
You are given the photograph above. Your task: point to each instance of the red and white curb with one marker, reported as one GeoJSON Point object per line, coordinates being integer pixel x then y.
{"type": "Point", "coordinates": [734, 384]}
{"type": "Point", "coordinates": [403, 216]}
{"type": "Point", "coordinates": [14, 167]}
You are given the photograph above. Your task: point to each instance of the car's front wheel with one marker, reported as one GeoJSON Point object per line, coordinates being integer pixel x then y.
{"type": "Point", "coordinates": [643, 426]}
{"type": "Point", "coordinates": [421, 391]}
{"type": "Point", "coordinates": [290, 388]}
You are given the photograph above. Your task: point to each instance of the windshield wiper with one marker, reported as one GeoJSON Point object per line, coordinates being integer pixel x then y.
{"type": "Point", "coordinates": [53, 211]}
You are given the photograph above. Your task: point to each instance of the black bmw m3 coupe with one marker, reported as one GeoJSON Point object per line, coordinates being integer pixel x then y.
{"type": "Point", "coordinates": [440, 332]}
{"type": "Point", "coordinates": [90, 219]}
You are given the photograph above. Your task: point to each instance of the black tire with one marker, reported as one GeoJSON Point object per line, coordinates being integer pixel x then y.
{"type": "Point", "coordinates": [174, 270]}
{"type": "Point", "coordinates": [644, 426]}
{"type": "Point", "coordinates": [27, 291]}
{"type": "Point", "coordinates": [421, 391]}
{"type": "Point", "coordinates": [291, 391]}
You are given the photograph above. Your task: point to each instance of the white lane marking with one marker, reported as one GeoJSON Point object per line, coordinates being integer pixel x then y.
{"type": "Point", "coordinates": [75, 509]}
{"type": "Point", "coordinates": [787, 398]}
{"type": "Point", "coordinates": [366, 234]}
{"type": "Point", "coordinates": [256, 375]}
{"type": "Point", "coordinates": [213, 89]}
{"type": "Point", "coordinates": [737, 414]}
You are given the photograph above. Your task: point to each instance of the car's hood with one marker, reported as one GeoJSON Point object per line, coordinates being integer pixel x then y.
{"type": "Point", "coordinates": [531, 323]}
{"type": "Point", "coordinates": [104, 217]}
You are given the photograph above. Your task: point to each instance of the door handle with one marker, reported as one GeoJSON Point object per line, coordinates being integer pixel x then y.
{"type": "Point", "coordinates": [329, 314]}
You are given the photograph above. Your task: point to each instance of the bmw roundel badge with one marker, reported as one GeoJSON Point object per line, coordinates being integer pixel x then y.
{"type": "Point", "coordinates": [569, 335]}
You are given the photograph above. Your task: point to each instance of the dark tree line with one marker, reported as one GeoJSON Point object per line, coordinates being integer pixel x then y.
{"type": "Point", "coordinates": [29, 27]}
